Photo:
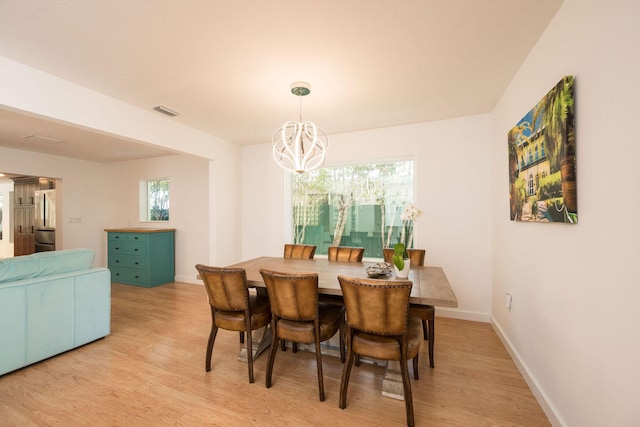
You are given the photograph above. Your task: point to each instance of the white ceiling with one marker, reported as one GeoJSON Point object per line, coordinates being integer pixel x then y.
{"type": "Point", "coordinates": [227, 66]}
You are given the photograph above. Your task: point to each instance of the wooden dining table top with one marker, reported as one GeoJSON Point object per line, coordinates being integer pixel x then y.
{"type": "Point", "coordinates": [430, 284]}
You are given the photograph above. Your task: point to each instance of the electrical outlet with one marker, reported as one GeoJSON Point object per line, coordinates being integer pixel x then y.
{"type": "Point", "coordinates": [507, 301]}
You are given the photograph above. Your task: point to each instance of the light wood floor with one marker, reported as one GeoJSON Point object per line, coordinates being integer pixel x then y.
{"type": "Point", "coordinates": [150, 372]}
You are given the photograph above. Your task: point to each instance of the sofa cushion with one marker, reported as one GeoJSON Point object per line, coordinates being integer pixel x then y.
{"type": "Point", "coordinates": [58, 262]}
{"type": "Point", "coordinates": [17, 268]}
{"type": "Point", "coordinates": [45, 264]}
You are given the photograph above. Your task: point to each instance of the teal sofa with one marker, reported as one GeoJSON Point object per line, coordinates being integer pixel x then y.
{"type": "Point", "coordinates": [51, 302]}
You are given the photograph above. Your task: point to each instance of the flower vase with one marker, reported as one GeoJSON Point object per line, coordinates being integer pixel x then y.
{"type": "Point", "coordinates": [404, 273]}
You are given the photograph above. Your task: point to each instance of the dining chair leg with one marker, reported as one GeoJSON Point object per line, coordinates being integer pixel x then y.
{"type": "Point", "coordinates": [415, 367]}
{"type": "Point", "coordinates": [342, 355]}
{"type": "Point", "coordinates": [319, 367]}
{"type": "Point", "coordinates": [344, 383]}
{"type": "Point", "coordinates": [432, 339]}
{"type": "Point", "coordinates": [408, 398]}
{"type": "Point", "coordinates": [425, 330]}
{"type": "Point", "coordinates": [212, 338]}
{"type": "Point", "coordinates": [249, 350]}
{"type": "Point", "coordinates": [272, 355]}
{"type": "Point", "coordinates": [241, 337]}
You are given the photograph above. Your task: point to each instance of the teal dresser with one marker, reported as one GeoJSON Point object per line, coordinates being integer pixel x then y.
{"type": "Point", "coordinates": [141, 256]}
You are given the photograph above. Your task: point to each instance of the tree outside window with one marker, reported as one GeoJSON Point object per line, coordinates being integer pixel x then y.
{"type": "Point", "coordinates": [355, 205]}
{"type": "Point", "coordinates": [157, 200]}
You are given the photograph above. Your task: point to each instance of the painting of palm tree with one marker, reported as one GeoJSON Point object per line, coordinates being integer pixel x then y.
{"type": "Point", "coordinates": [542, 160]}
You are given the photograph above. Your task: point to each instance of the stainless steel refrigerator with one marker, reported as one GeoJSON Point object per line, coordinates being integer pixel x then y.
{"type": "Point", "coordinates": [45, 205]}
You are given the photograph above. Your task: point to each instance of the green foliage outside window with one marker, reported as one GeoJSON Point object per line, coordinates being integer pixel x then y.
{"type": "Point", "coordinates": [356, 205]}
{"type": "Point", "coordinates": [158, 199]}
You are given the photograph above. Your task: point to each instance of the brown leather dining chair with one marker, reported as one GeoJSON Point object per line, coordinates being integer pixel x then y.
{"type": "Point", "coordinates": [427, 313]}
{"type": "Point", "coordinates": [416, 256]}
{"type": "Point", "coordinates": [345, 253]}
{"type": "Point", "coordinates": [299, 251]}
{"type": "Point", "coordinates": [299, 317]}
{"type": "Point", "coordinates": [379, 326]}
{"type": "Point", "coordinates": [341, 254]}
{"type": "Point", "coordinates": [232, 307]}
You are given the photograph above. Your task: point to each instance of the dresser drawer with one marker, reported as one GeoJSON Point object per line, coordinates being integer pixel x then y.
{"type": "Point", "coordinates": [125, 237]}
{"type": "Point", "coordinates": [127, 247]}
{"type": "Point", "coordinates": [128, 276]}
{"type": "Point", "coordinates": [141, 237]}
{"type": "Point", "coordinates": [128, 261]}
{"type": "Point", "coordinates": [119, 237]}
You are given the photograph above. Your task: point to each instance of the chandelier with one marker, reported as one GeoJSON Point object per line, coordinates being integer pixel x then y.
{"type": "Point", "coordinates": [300, 146]}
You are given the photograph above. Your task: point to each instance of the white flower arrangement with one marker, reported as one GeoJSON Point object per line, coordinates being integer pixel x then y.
{"type": "Point", "coordinates": [409, 216]}
{"type": "Point", "coordinates": [411, 213]}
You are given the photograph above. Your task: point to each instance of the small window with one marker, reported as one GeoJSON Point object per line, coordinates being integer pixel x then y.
{"type": "Point", "coordinates": [154, 200]}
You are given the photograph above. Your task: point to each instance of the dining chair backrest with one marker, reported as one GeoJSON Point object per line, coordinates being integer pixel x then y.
{"type": "Point", "coordinates": [376, 306]}
{"type": "Point", "coordinates": [416, 256]}
{"type": "Point", "coordinates": [293, 296]}
{"type": "Point", "coordinates": [299, 251]}
{"type": "Point", "coordinates": [226, 287]}
{"type": "Point", "coordinates": [345, 253]}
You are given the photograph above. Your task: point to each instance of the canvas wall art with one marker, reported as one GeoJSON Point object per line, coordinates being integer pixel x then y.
{"type": "Point", "coordinates": [542, 160]}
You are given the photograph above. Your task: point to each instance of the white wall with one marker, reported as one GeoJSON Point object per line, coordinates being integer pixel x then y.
{"type": "Point", "coordinates": [188, 210]}
{"type": "Point", "coordinates": [80, 193]}
{"type": "Point", "coordinates": [573, 325]}
{"type": "Point", "coordinates": [452, 159]}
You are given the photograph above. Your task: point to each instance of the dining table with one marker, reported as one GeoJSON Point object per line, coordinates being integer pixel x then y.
{"type": "Point", "coordinates": [430, 287]}
{"type": "Point", "coordinates": [430, 284]}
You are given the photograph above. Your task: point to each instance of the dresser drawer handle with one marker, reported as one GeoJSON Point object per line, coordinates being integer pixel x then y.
{"type": "Point", "coordinates": [135, 250]}
{"type": "Point", "coordinates": [117, 248]}
{"type": "Point", "coordinates": [117, 261]}
{"type": "Point", "coordinates": [137, 263]}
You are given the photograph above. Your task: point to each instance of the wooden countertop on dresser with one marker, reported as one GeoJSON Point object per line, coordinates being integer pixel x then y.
{"type": "Point", "coordinates": [138, 230]}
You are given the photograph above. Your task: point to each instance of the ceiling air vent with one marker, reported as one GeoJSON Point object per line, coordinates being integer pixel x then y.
{"type": "Point", "coordinates": [166, 111]}
{"type": "Point", "coordinates": [40, 138]}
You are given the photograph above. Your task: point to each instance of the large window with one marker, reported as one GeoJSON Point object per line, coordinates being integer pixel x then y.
{"type": "Point", "coordinates": [357, 205]}
{"type": "Point", "coordinates": [154, 200]}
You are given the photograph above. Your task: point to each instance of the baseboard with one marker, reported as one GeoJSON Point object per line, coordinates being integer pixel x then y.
{"type": "Point", "coordinates": [188, 279]}
{"type": "Point", "coordinates": [540, 396]}
{"type": "Point", "coordinates": [453, 313]}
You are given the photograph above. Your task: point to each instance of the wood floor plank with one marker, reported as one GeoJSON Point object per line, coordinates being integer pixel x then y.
{"type": "Point", "coordinates": [150, 372]}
